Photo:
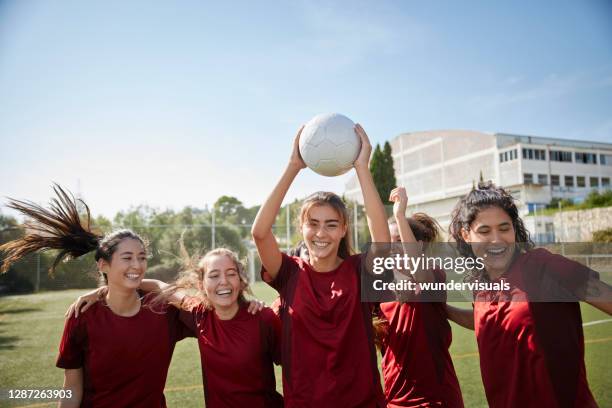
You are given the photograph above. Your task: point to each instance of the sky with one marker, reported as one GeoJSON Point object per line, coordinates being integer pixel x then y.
{"type": "Point", "coordinates": [175, 103]}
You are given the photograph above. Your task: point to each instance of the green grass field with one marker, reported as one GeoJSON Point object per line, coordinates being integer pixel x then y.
{"type": "Point", "coordinates": [31, 327]}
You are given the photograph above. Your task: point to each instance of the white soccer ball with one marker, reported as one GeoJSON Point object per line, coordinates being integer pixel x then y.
{"type": "Point", "coordinates": [329, 144]}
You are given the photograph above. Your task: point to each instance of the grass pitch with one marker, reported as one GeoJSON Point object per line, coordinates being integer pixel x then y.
{"type": "Point", "coordinates": [31, 327]}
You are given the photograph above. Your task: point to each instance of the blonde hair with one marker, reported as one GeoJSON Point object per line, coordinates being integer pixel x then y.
{"type": "Point", "coordinates": [193, 272]}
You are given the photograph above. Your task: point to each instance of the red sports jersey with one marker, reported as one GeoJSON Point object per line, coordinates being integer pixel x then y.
{"type": "Point", "coordinates": [238, 356]}
{"type": "Point", "coordinates": [125, 360]}
{"type": "Point", "coordinates": [416, 365]}
{"type": "Point", "coordinates": [328, 353]}
{"type": "Point", "coordinates": [532, 353]}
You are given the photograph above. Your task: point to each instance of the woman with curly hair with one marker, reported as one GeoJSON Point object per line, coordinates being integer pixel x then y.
{"type": "Point", "coordinates": [531, 345]}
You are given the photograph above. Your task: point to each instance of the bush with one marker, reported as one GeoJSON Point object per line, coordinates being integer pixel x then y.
{"type": "Point", "coordinates": [604, 236]}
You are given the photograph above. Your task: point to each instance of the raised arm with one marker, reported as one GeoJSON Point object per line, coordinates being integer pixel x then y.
{"type": "Point", "coordinates": [375, 211]}
{"type": "Point", "coordinates": [267, 247]}
{"type": "Point", "coordinates": [412, 248]}
{"type": "Point", "coordinates": [73, 383]}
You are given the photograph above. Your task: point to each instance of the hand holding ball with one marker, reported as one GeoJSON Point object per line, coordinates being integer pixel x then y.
{"type": "Point", "coordinates": [329, 144]}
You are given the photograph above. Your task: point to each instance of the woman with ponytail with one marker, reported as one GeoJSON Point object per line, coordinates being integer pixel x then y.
{"type": "Point", "coordinates": [413, 334]}
{"type": "Point", "coordinates": [239, 340]}
{"type": "Point", "coordinates": [530, 341]}
{"type": "Point", "coordinates": [328, 353]}
{"type": "Point", "coordinates": [118, 354]}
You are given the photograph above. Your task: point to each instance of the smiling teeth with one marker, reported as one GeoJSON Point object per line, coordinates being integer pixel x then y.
{"type": "Point", "coordinates": [320, 244]}
{"type": "Point", "coordinates": [496, 251]}
{"type": "Point", "coordinates": [132, 276]}
{"type": "Point", "coordinates": [224, 292]}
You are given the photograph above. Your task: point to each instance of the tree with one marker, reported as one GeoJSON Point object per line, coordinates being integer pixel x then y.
{"type": "Point", "coordinates": [383, 171]}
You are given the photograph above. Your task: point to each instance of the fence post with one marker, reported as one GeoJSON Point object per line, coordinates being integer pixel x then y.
{"type": "Point", "coordinates": [212, 233]}
{"type": "Point", "coordinates": [288, 218]}
{"type": "Point", "coordinates": [355, 220]}
{"type": "Point", "coordinates": [37, 285]}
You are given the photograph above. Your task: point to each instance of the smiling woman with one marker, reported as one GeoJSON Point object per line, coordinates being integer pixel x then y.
{"type": "Point", "coordinates": [520, 334]}
{"type": "Point", "coordinates": [320, 309]}
{"type": "Point", "coordinates": [100, 367]}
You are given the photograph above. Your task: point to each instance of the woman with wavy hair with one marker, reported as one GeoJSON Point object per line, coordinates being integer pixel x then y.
{"type": "Point", "coordinates": [239, 341]}
{"type": "Point", "coordinates": [118, 354]}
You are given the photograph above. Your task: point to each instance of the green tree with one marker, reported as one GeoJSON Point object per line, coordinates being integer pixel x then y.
{"type": "Point", "coordinates": [383, 171]}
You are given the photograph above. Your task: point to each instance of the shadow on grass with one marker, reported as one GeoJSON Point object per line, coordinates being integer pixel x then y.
{"type": "Point", "coordinates": [7, 342]}
{"type": "Point", "coordinates": [20, 310]}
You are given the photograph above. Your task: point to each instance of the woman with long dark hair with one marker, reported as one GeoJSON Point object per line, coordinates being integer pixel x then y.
{"type": "Point", "coordinates": [117, 354]}
{"type": "Point", "coordinates": [531, 345]}
{"type": "Point", "coordinates": [328, 353]}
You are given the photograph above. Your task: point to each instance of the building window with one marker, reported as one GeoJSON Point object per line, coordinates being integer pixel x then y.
{"type": "Point", "coordinates": [540, 154]}
{"type": "Point", "coordinates": [569, 181]}
{"type": "Point", "coordinates": [554, 180]}
{"type": "Point", "coordinates": [508, 155]}
{"type": "Point", "coordinates": [560, 156]}
{"type": "Point", "coordinates": [580, 181]}
{"type": "Point", "coordinates": [527, 178]}
{"type": "Point", "coordinates": [605, 159]}
{"type": "Point", "coordinates": [605, 182]}
{"type": "Point", "coordinates": [586, 158]}
{"type": "Point", "coordinates": [594, 181]}
{"type": "Point", "coordinates": [543, 179]}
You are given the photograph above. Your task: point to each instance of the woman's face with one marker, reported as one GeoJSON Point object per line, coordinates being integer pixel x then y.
{"type": "Point", "coordinates": [492, 238]}
{"type": "Point", "coordinates": [322, 230]}
{"type": "Point", "coordinates": [221, 282]}
{"type": "Point", "coordinates": [127, 266]}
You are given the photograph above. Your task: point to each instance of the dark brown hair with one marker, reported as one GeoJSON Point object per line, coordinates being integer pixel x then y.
{"type": "Point", "coordinates": [61, 227]}
{"type": "Point", "coordinates": [486, 195]}
{"type": "Point", "coordinates": [320, 198]}
{"type": "Point", "coordinates": [423, 227]}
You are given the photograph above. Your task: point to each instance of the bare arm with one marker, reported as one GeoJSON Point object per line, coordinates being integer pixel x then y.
{"type": "Point", "coordinates": [400, 203]}
{"type": "Point", "coordinates": [463, 317]}
{"type": "Point", "coordinates": [267, 247]}
{"type": "Point", "coordinates": [375, 211]}
{"type": "Point", "coordinates": [73, 381]}
{"type": "Point", "coordinates": [598, 295]}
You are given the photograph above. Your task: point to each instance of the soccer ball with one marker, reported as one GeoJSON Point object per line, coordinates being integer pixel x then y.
{"type": "Point", "coordinates": [329, 144]}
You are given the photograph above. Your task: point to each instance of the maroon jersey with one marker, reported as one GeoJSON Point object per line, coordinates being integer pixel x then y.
{"type": "Point", "coordinates": [125, 360]}
{"type": "Point", "coordinates": [416, 364]}
{"type": "Point", "coordinates": [532, 353]}
{"type": "Point", "coordinates": [237, 356]}
{"type": "Point", "coordinates": [328, 353]}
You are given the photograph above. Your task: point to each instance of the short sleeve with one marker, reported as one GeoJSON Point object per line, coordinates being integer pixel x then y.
{"type": "Point", "coordinates": [559, 275]}
{"type": "Point", "coordinates": [179, 329]}
{"type": "Point", "coordinates": [73, 344]}
{"type": "Point", "coordinates": [188, 314]}
{"type": "Point", "coordinates": [272, 325]}
{"type": "Point", "coordinates": [289, 266]}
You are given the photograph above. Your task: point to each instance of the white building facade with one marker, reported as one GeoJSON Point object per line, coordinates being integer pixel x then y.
{"type": "Point", "coordinates": [438, 167]}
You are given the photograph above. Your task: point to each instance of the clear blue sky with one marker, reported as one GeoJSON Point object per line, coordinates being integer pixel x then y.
{"type": "Point", "coordinates": [175, 103]}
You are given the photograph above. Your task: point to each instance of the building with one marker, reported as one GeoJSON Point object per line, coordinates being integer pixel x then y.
{"type": "Point", "coordinates": [438, 167]}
